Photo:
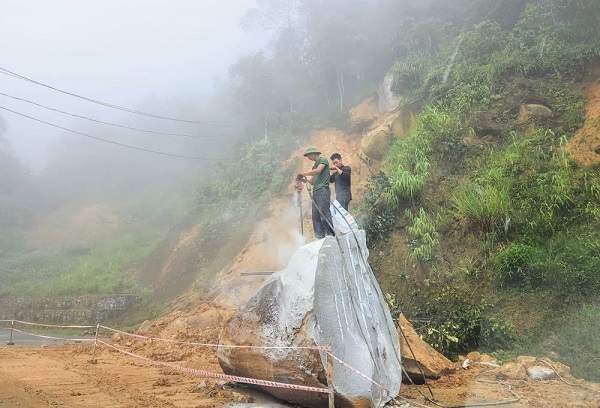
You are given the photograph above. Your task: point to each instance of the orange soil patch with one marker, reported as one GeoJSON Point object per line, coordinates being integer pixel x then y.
{"type": "Point", "coordinates": [585, 144]}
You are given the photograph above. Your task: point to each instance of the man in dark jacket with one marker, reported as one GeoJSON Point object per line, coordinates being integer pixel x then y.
{"type": "Point", "coordinates": [342, 177]}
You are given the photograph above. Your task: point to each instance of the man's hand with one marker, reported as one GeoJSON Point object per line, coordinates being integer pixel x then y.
{"type": "Point", "coordinates": [333, 167]}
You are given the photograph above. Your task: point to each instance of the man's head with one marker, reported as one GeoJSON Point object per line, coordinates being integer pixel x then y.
{"type": "Point", "coordinates": [336, 159]}
{"type": "Point", "coordinates": [312, 153]}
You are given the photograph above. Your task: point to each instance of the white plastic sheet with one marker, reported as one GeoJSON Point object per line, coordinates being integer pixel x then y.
{"type": "Point", "coordinates": [343, 221]}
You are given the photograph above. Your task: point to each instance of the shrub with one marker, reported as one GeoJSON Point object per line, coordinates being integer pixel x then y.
{"type": "Point", "coordinates": [456, 323]}
{"type": "Point", "coordinates": [573, 261]}
{"type": "Point", "coordinates": [517, 265]}
{"type": "Point", "coordinates": [424, 233]}
{"type": "Point", "coordinates": [576, 342]}
{"type": "Point", "coordinates": [409, 74]}
{"type": "Point", "coordinates": [379, 217]}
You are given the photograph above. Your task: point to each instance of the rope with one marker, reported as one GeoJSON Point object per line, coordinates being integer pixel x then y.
{"type": "Point", "coordinates": [565, 381]}
{"type": "Point", "coordinates": [354, 307]}
{"type": "Point", "coordinates": [416, 360]}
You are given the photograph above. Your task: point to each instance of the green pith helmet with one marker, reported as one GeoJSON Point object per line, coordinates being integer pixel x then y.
{"type": "Point", "coordinates": [311, 150]}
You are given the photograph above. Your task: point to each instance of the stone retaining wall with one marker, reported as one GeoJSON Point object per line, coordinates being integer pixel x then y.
{"type": "Point", "coordinates": [84, 310]}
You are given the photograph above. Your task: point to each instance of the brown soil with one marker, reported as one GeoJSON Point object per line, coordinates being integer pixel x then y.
{"type": "Point", "coordinates": [65, 376]}
{"type": "Point", "coordinates": [585, 144]}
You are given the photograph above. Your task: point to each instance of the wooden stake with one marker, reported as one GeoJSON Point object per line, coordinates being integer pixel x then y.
{"type": "Point", "coordinates": [330, 380]}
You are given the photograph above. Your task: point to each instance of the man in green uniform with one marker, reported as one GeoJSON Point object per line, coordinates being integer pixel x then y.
{"type": "Point", "coordinates": [321, 196]}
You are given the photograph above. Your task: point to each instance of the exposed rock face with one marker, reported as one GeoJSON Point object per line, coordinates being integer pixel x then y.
{"type": "Point", "coordinates": [376, 143]}
{"type": "Point", "coordinates": [528, 111]}
{"type": "Point", "coordinates": [417, 353]}
{"type": "Point", "coordinates": [362, 115]}
{"type": "Point", "coordinates": [327, 295]}
{"type": "Point", "coordinates": [386, 100]}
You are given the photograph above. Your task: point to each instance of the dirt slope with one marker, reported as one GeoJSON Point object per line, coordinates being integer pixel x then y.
{"type": "Point", "coordinates": [585, 144]}
{"type": "Point", "coordinates": [63, 376]}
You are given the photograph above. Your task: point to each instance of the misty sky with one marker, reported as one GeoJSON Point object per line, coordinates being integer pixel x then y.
{"type": "Point", "coordinates": [120, 52]}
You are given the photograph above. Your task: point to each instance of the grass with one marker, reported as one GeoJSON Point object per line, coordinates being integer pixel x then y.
{"type": "Point", "coordinates": [575, 341]}
{"type": "Point", "coordinates": [97, 270]}
{"type": "Point", "coordinates": [522, 190]}
{"type": "Point", "coordinates": [408, 162]}
{"type": "Point", "coordinates": [486, 207]}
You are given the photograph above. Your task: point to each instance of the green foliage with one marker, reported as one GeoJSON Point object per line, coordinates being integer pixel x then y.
{"type": "Point", "coordinates": [486, 207]}
{"type": "Point", "coordinates": [253, 175]}
{"type": "Point", "coordinates": [420, 37]}
{"type": "Point", "coordinates": [519, 265]}
{"type": "Point", "coordinates": [456, 323]}
{"type": "Point", "coordinates": [95, 270]}
{"type": "Point", "coordinates": [408, 161]}
{"type": "Point", "coordinates": [572, 262]}
{"type": "Point", "coordinates": [379, 217]}
{"type": "Point", "coordinates": [549, 38]}
{"type": "Point", "coordinates": [537, 210]}
{"type": "Point", "coordinates": [566, 262]}
{"type": "Point", "coordinates": [575, 341]}
{"type": "Point", "coordinates": [409, 74]}
{"type": "Point", "coordinates": [424, 234]}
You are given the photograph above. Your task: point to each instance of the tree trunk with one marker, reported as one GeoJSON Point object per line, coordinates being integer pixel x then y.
{"type": "Point", "coordinates": [327, 97]}
{"type": "Point", "coordinates": [340, 82]}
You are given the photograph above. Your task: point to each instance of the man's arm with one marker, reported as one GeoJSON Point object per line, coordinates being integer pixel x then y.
{"type": "Point", "coordinates": [344, 172]}
{"type": "Point", "coordinates": [314, 172]}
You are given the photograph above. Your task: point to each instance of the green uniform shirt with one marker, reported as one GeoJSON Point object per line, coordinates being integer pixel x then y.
{"type": "Point", "coordinates": [321, 180]}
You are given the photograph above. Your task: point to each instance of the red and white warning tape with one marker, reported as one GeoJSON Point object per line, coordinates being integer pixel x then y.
{"type": "Point", "coordinates": [318, 348]}
{"type": "Point", "coordinates": [203, 373]}
{"type": "Point", "coordinates": [48, 337]}
{"type": "Point", "coordinates": [49, 325]}
{"type": "Point", "coordinates": [358, 372]}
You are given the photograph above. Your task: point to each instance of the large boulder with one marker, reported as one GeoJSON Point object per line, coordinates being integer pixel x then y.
{"type": "Point", "coordinates": [376, 142]}
{"type": "Point", "coordinates": [326, 296]}
{"type": "Point", "coordinates": [529, 111]}
{"type": "Point", "coordinates": [419, 358]}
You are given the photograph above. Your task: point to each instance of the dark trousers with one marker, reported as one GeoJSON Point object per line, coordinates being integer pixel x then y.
{"type": "Point", "coordinates": [321, 214]}
{"type": "Point", "coordinates": [344, 200]}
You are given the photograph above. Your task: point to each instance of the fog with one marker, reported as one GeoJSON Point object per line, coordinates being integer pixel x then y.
{"type": "Point", "coordinates": [158, 56]}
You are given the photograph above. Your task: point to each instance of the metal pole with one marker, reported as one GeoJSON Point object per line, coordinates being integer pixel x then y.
{"type": "Point", "coordinates": [330, 380]}
{"type": "Point", "coordinates": [10, 342]}
{"type": "Point", "coordinates": [95, 344]}
{"type": "Point", "coordinates": [301, 218]}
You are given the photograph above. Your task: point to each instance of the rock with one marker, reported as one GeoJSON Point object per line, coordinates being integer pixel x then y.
{"type": "Point", "coordinates": [540, 373]}
{"type": "Point", "coordinates": [528, 111]}
{"type": "Point", "coordinates": [376, 143]}
{"type": "Point", "coordinates": [474, 356]}
{"type": "Point", "coordinates": [327, 295]}
{"type": "Point", "coordinates": [363, 114]}
{"type": "Point", "coordinates": [513, 371]}
{"type": "Point", "coordinates": [525, 360]}
{"type": "Point", "coordinates": [386, 100]}
{"type": "Point", "coordinates": [488, 359]}
{"type": "Point", "coordinates": [404, 119]}
{"type": "Point", "coordinates": [433, 364]}
{"type": "Point", "coordinates": [144, 327]}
